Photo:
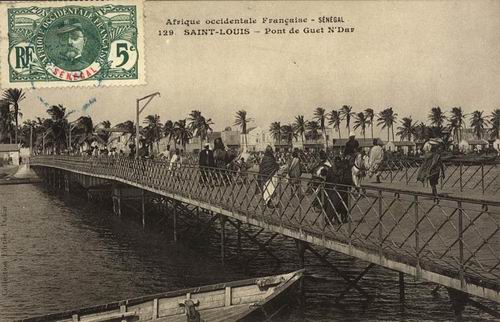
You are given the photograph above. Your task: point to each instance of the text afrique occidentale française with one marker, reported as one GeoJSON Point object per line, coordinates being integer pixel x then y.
{"type": "Point", "coordinates": [246, 26]}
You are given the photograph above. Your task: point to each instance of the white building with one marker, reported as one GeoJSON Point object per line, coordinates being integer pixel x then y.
{"type": "Point", "coordinates": [401, 146]}
{"type": "Point", "coordinates": [9, 153]}
{"type": "Point", "coordinates": [471, 145]}
{"type": "Point", "coordinates": [257, 139]}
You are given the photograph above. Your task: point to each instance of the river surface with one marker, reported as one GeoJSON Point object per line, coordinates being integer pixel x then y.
{"type": "Point", "coordinates": [60, 252]}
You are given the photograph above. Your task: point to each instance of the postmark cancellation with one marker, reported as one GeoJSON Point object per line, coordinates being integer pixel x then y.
{"type": "Point", "coordinates": [72, 44]}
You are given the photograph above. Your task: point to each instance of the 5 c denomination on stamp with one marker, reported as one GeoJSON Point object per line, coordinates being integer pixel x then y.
{"type": "Point", "coordinates": [72, 44]}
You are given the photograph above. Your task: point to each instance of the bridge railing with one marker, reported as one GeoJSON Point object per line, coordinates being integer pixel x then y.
{"type": "Point", "coordinates": [456, 237]}
{"type": "Point", "coordinates": [459, 175]}
{"type": "Point", "coordinates": [480, 176]}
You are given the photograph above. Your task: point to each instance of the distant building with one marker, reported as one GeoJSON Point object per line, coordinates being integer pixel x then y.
{"type": "Point", "coordinates": [338, 145]}
{"type": "Point", "coordinates": [257, 139]}
{"type": "Point", "coordinates": [496, 145]}
{"type": "Point", "coordinates": [471, 145]}
{"type": "Point", "coordinates": [120, 141]}
{"type": "Point", "coordinates": [404, 147]}
{"type": "Point", "coordinates": [9, 153]}
{"type": "Point", "coordinates": [230, 138]}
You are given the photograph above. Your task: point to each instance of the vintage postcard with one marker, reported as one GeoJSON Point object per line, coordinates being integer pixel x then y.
{"type": "Point", "coordinates": [287, 161]}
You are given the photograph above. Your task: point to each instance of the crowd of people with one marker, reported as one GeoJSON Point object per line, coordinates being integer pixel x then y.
{"type": "Point", "coordinates": [346, 170]}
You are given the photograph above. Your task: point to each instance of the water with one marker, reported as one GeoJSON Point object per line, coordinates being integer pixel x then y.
{"type": "Point", "coordinates": [60, 252]}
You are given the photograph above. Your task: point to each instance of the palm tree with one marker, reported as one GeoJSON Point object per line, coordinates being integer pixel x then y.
{"type": "Point", "coordinates": [153, 131]}
{"type": "Point", "coordinates": [83, 131]}
{"type": "Point", "coordinates": [194, 119]}
{"type": "Point", "coordinates": [407, 130]}
{"type": "Point", "coordinates": [242, 121]}
{"type": "Point", "coordinates": [370, 114]}
{"type": "Point", "coordinates": [495, 123]}
{"type": "Point", "coordinates": [127, 127]}
{"type": "Point", "coordinates": [57, 127]}
{"type": "Point", "coordinates": [103, 131]}
{"type": "Point", "coordinates": [13, 96]}
{"type": "Point", "coordinates": [422, 132]}
{"type": "Point", "coordinates": [6, 121]}
{"type": "Point", "coordinates": [199, 126]}
{"type": "Point", "coordinates": [287, 133]}
{"type": "Point", "coordinates": [478, 123]}
{"type": "Point", "coordinates": [204, 128]}
{"type": "Point", "coordinates": [334, 120]}
{"type": "Point", "coordinates": [320, 117]}
{"type": "Point", "coordinates": [347, 113]}
{"type": "Point", "coordinates": [25, 132]}
{"type": "Point", "coordinates": [360, 122]}
{"type": "Point", "coordinates": [168, 131]}
{"type": "Point", "coordinates": [457, 121]}
{"type": "Point", "coordinates": [275, 130]}
{"type": "Point", "coordinates": [313, 130]}
{"type": "Point", "coordinates": [386, 119]}
{"type": "Point", "coordinates": [182, 133]}
{"type": "Point", "coordinates": [437, 118]}
{"type": "Point", "coordinates": [299, 127]}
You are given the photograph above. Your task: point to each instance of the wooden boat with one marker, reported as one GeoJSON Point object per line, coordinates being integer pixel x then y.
{"type": "Point", "coordinates": [256, 299]}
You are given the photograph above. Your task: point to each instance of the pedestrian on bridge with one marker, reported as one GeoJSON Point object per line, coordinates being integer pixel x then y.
{"type": "Point", "coordinates": [175, 161]}
{"type": "Point", "coordinates": [351, 148]}
{"type": "Point", "coordinates": [294, 172]}
{"type": "Point", "coordinates": [376, 159]}
{"type": "Point", "coordinates": [267, 180]}
{"type": "Point", "coordinates": [206, 162]}
{"type": "Point", "coordinates": [432, 168]}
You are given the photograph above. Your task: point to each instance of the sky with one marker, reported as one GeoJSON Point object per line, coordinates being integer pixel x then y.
{"type": "Point", "coordinates": [409, 55]}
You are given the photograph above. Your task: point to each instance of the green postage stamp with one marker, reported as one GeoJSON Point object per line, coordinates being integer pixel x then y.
{"type": "Point", "coordinates": [58, 44]}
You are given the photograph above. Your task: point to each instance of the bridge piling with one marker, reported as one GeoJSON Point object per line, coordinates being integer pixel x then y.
{"type": "Point", "coordinates": [119, 199]}
{"type": "Point", "coordinates": [174, 215]}
{"type": "Point", "coordinates": [402, 290]}
{"type": "Point", "coordinates": [67, 183]}
{"type": "Point", "coordinates": [458, 302]}
{"type": "Point", "coordinates": [301, 250]}
{"type": "Point", "coordinates": [143, 209]}
{"type": "Point", "coordinates": [222, 220]}
{"type": "Point", "coordinates": [238, 237]}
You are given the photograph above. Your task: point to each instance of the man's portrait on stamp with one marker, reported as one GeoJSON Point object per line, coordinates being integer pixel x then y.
{"type": "Point", "coordinates": [72, 45]}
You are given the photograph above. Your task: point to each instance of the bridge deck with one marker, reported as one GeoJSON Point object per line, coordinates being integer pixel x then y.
{"type": "Point", "coordinates": [450, 241]}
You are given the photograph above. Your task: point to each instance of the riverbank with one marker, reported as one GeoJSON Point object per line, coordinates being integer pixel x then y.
{"type": "Point", "coordinates": [13, 174]}
{"type": "Point", "coordinates": [8, 170]}
{"type": "Point", "coordinates": [9, 181]}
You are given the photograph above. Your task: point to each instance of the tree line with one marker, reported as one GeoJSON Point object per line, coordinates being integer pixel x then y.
{"type": "Point", "coordinates": [57, 132]}
{"type": "Point", "coordinates": [439, 123]}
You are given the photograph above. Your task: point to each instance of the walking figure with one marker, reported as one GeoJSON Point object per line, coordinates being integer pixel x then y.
{"type": "Point", "coordinates": [294, 171]}
{"type": "Point", "coordinates": [376, 159]}
{"type": "Point", "coordinates": [432, 168]}
{"type": "Point", "coordinates": [267, 180]}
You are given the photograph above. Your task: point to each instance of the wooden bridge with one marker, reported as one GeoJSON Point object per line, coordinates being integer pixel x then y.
{"type": "Point", "coordinates": [453, 242]}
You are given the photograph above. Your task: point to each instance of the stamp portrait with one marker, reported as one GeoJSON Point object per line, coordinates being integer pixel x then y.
{"type": "Point", "coordinates": [75, 44]}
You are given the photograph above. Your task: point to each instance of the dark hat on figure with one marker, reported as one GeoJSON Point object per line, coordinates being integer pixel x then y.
{"type": "Point", "coordinates": [68, 26]}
